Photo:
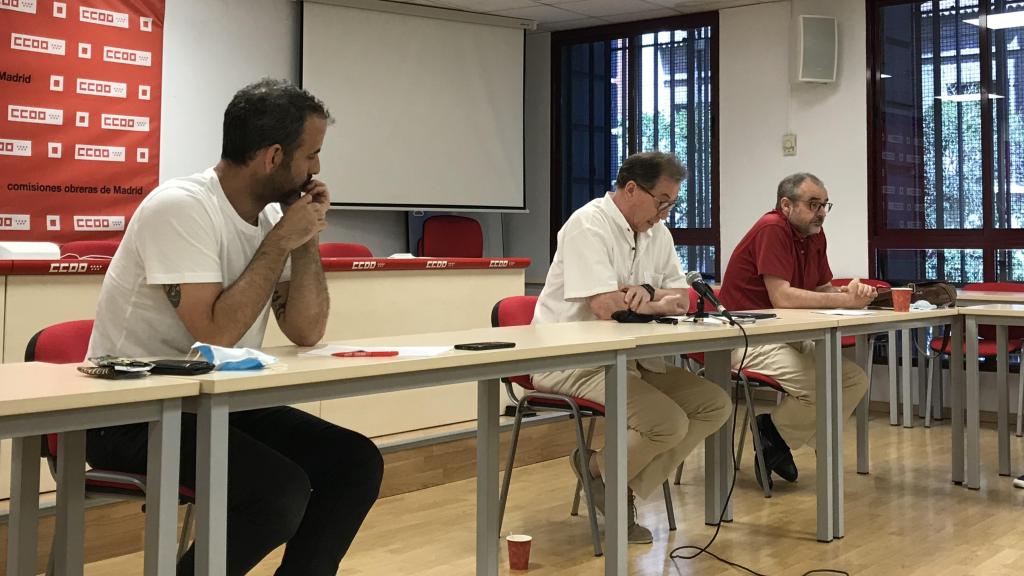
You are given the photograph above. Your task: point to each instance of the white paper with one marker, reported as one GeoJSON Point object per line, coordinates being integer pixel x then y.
{"type": "Point", "coordinates": [845, 312]}
{"type": "Point", "coordinates": [403, 351]}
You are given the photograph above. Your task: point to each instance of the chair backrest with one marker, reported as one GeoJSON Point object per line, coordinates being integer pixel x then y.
{"type": "Point", "coordinates": [64, 343]}
{"type": "Point", "coordinates": [89, 249]}
{"type": "Point", "coordinates": [452, 236]}
{"type": "Point", "coordinates": [344, 250]}
{"type": "Point", "coordinates": [515, 311]}
{"type": "Point", "coordinates": [989, 332]}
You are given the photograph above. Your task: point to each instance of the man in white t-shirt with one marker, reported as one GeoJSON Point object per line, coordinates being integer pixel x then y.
{"type": "Point", "coordinates": [615, 253]}
{"type": "Point", "coordinates": [204, 259]}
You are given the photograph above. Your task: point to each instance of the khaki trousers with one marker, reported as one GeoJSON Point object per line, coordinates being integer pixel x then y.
{"type": "Point", "coordinates": [667, 415]}
{"type": "Point", "coordinates": [793, 366]}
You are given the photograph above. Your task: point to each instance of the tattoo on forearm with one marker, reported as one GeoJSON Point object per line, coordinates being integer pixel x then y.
{"type": "Point", "coordinates": [278, 303]}
{"type": "Point", "coordinates": [173, 294]}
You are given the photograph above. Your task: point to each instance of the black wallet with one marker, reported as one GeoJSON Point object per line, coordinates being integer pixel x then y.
{"type": "Point", "coordinates": [173, 367]}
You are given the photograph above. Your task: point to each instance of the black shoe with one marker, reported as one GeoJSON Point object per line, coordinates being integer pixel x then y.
{"type": "Point", "coordinates": [776, 452]}
{"type": "Point", "coordinates": [757, 474]}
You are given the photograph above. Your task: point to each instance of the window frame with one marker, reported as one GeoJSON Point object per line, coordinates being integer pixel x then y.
{"type": "Point", "coordinates": [633, 30]}
{"type": "Point", "coordinates": [989, 238]}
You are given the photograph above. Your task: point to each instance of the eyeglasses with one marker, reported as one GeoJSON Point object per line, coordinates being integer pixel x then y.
{"type": "Point", "coordinates": [662, 205]}
{"type": "Point", "coordinates": [814, 205]}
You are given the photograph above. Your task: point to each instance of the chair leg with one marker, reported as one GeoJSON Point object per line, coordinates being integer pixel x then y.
{"type": "Point", "coordinates": [579, 487]}
{"type": "Point", "coordinates": [186, 531]}
{"type": "Point", "coordinates": [762, 467]}
{"type": "Point", "coordinates": [743, 432]}
{"type": "Point", "coordinates": [668, 506]}
{"type": "Point", "coordinates": [583, 443]}
{"type": "Point", "coordinates": [679, 473]}
{"type": "Point", "coordinates": [510, 463]}
{"type": "Point", "coordinates": [1020, 399]}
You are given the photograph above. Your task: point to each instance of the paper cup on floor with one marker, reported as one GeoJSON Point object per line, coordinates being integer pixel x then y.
{"type": "Point", "coordinates": [518, 551]}
{"type": "Point", "coordinates": [901, 299]}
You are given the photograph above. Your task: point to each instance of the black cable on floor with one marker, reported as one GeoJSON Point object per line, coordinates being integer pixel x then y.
{"type": "Point", "coordinates": [676, 553]}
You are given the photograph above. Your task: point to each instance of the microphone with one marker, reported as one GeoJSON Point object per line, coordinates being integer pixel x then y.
{"type": "Point", "coordinates": [696, 281]}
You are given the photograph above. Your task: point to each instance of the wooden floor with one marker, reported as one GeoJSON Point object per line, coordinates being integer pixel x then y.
{"type": "Point", "coordinates": [905, 518]}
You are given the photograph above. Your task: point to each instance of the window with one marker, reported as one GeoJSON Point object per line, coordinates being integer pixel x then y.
{"type": "Point", "coordinates": [638, 87]}
{"type": "Point", "coordinates": [946, 158]}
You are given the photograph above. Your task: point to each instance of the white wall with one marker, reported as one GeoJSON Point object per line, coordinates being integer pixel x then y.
{"type": "Point", "coordinates": [758, 104]}
{"type": "Point", "coordinates": [527, 235]}
{"type": "Point", "coordinates": [214, 47]}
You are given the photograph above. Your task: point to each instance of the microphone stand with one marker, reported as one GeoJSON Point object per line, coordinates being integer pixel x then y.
{"type": "Point", "coordinates": [700, 314]}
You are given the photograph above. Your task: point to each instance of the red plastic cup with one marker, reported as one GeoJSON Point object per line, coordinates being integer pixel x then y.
{"type": "Point", "coordinates": [518, 551]}
{"type": "Point", "coordinates": [901, 299]}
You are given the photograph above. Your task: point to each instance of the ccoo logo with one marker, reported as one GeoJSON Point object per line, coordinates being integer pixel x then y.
{"type": "Point", "coordinates": [68, 267]}
{"type": "Point", "coordinates": [364, 265]}
{"type": "Point", "coordinates": [98, 223]}
{"type": "Point", "coordinates": [35, 115]}
{"type": "Point", "coordinates": [37, 44]}
{"type": "Point", "coordinates": [103, 17]}
{"type": "Point", "coordinates": [101, 88]}
{"type": "Point", "coordinates": [99, 153]}
{"type": "Point", "coordinates": [15, 147]}
{"type": "Point", "coordinates": [126, 56]}
{"type": "Point", "coordinates": [130, 123]}
{"type": "Point", "coordinates": [27, 6]}
{"type": "Point", "coordinates": [15, 222]}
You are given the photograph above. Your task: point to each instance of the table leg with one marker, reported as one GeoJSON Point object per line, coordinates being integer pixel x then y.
{"type": "Point", "coordinates": [956, 401]}
{"type": "Point", "coordinates": [825, 428]}
{"type": "Point", "coordinates": [69, 543]}
{"type": "Point", "coordinates": [616, 559]}
{"type": "Point", "coordinates": [1003, 399]}
{"type": "Point", "coordinates": [162, 490]}
{"type": "Point", "coordinates": [973, 407]}
{"type": "Point", "coordinates": [922, 372]}
{"type": "Point", "coordinates": [487, 396]}
{"type": "Point", "coordinates": [894, 386]}
{"type": "Point", "coordinates": [23, 521]}
{"type": "Point", "coordinates": [908, 397]}
{"type": "Point", "coordinates": [211, 485]}
{"type": "Point", "coordinates": [862, 352]}
{"type": "Point", "coordinates": [718, 463]}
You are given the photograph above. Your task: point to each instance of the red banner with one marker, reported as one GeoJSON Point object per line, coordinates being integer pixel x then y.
{"type": "Point", "coordinates": [80, 125]}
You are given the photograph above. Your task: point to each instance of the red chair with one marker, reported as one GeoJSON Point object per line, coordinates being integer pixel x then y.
{"type": "Point", "coordinates": [518, 311]}
{"type": "Point", "coordinates": [67, 343]}
{"type": "Point", "coordinates": [344, 250]}
{"type": "Point", "coordinates": [452, 236]}
{"type": "Point", "coordinates": [89, 250]}
{"type": "Point", "coordinates": [986, 348]}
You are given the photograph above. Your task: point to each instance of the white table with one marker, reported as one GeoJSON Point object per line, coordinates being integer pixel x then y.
{"type": "Point", "coordinates": [303, 379]}
{"type": "Point", "coordinates": [1001, 316]}
{"type": "Point", "coordinates": [38, 398]}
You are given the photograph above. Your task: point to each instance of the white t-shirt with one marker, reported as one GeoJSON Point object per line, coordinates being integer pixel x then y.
{"type": "Point", "coordinates": [184, 232]}
{"type": "Point", "coordinates": [597, 253]}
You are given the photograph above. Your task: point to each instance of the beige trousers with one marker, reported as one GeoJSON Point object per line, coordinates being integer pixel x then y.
{"type": "Point", "coordinates": [793, 366]}
{"type": "Point", "coordinates": [667, 415]}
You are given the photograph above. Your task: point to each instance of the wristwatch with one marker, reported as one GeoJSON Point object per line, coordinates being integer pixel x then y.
{"type": "Point", "coordinates": [649, 288]}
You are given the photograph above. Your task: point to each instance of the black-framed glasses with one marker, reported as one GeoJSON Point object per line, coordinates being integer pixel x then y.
{"type": "Point", "coordinates": [814, 205]}
{"type": "Point", "coordinates": [662, 205]}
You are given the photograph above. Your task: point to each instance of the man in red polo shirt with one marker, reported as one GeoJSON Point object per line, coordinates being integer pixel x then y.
{"type": "Point", "coordinates": [782, 263]}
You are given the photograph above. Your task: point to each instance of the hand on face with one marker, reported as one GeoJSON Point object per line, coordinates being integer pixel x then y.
{"type": "Point", "coordinates": [302, 220]}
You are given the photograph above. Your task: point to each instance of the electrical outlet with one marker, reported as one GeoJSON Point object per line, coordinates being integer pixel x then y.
{"type": "Point", "coordinates": [789, 144]}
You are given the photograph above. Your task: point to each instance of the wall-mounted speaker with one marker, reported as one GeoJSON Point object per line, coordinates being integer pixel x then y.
{"type": "Point", "coordinates": [817, 50]}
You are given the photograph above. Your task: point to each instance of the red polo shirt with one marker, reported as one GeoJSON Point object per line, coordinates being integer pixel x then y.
{"type": "Point", "coordinates": [773, 248]}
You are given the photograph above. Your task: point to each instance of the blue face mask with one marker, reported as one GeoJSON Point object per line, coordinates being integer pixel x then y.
{"type": "Point", "coordinates": [234, 358]}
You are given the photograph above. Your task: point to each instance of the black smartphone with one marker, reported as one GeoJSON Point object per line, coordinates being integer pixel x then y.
{"type": "Point", "coordinates": [181, 367]}
{"type": "Point", "coordinates": [485, 345]}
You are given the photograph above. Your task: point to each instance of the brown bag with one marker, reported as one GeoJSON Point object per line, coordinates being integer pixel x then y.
{"type": "Point", "coordinates": [938, 293]}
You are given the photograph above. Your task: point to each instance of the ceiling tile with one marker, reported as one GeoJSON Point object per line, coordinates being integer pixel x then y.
{"type": "Point", "coordinates": [570, 24]}
{"type": "Point", "coordinates": [541, 13]}
{"type": "Point", "coordinates": [645, 15]}
{"type": "Point", "coordinates": [488, 6]}
{"type": "Point", "coordinates": [600, 8]}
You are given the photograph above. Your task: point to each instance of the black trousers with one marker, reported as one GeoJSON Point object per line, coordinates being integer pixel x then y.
{"type": "Point", "coordinates": [292, 478]}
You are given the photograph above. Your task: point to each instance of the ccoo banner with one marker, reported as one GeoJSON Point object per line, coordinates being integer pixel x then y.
{"type": "Point", "coordinates": [80, 125]}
